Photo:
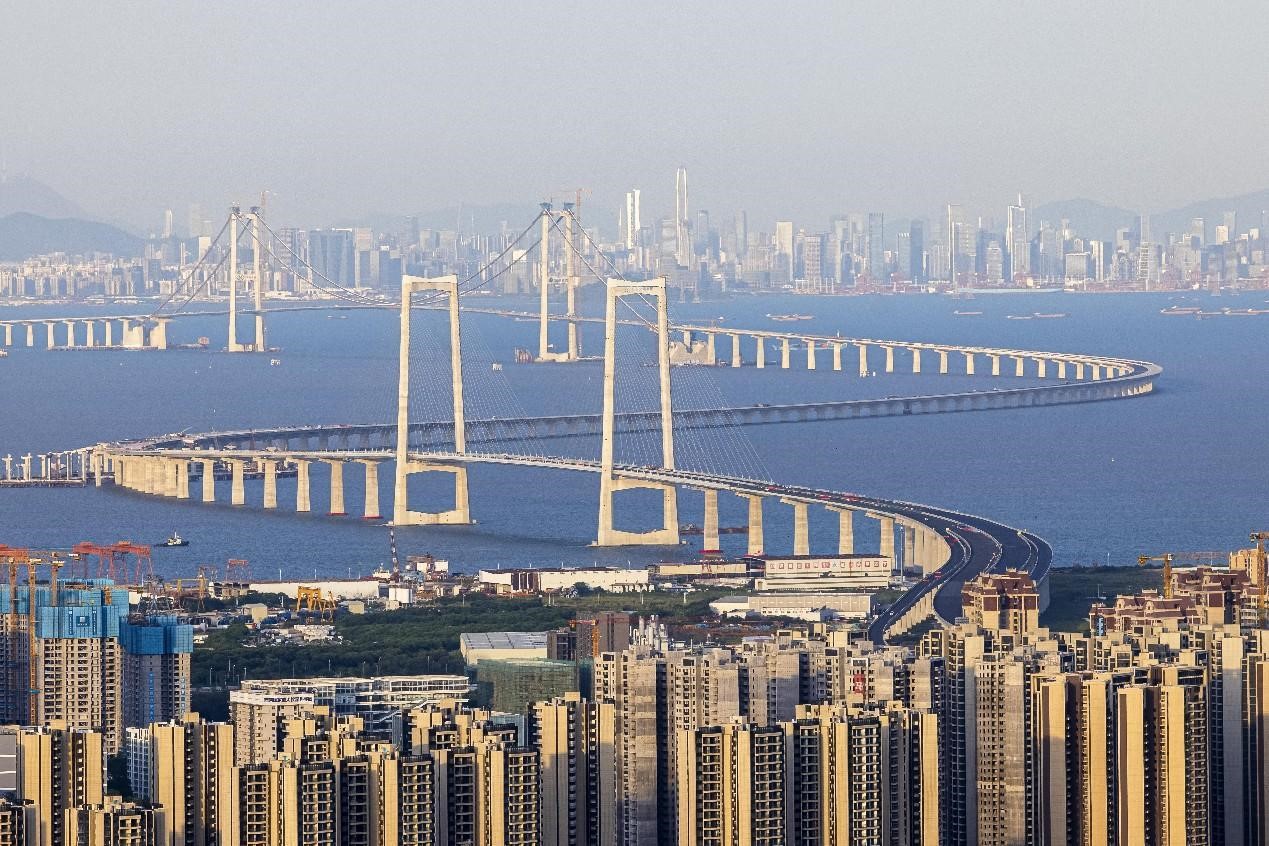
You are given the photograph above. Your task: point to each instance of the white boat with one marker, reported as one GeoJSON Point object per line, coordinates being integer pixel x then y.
{"type": "Point", "coordinates": [274, 362]}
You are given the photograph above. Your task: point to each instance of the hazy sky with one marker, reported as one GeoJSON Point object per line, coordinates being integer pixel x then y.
{"type": "Point", "coordinates": [792, 110]}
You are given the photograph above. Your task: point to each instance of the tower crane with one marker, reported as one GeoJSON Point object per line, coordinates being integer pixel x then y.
{"type": "Point", "coordinates": [1166, 558]}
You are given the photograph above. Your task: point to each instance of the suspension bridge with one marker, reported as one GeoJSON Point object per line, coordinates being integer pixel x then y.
{"type": "Point", "coordinates": [947, 546]}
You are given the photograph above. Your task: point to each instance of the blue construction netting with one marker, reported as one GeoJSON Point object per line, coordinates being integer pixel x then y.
{"type": "Point", "coordinates": [157, 636]}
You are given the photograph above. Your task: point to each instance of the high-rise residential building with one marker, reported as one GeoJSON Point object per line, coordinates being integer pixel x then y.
{"type": "Point", "coordinates": [1018, 240]}
{"type": "Point", "coordinates": [156, 669]}
{"type": "Point", "coordinates": [577, 747]}
{"type": "Point", "coordinates": [19, 822]}
{"type": "Point", "coordinates": [877, 247]}
{"type": "Point", "coordinates": [1230, 219]}
{"type": "Point", "coordinates": [333, 256]}
{"type": "Point", "coordinates": [116, 823]}
{"type": "Point", "coordinates": [903, 255]}
{"type": "Point", "coordinates": [682, 237]}
{"type": "Point", "coordinates": [59, 769]}
{"type": "Point", "coordinates": [741, 222]}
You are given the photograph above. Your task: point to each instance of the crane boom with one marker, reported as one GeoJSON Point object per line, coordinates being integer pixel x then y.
{"type": "Point", "coordinates": [1166, 558]}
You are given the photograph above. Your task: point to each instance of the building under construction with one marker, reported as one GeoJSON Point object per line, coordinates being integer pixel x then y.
{"type": "Point", "coordinates": [74, 655]}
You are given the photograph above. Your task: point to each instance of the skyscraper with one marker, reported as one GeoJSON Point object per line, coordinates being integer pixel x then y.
{"type": "Point", "coordinates": [631, 220]}
{"type": "Point", "coordinates": [916, 244]}
{"type": "Point", "coordinates": [1018, 240]}
{"type": "Point", "coordinates": [784, 250]}
{"type": "Point", "coordinates": [683, 244]}
{"type": "Point", "coordinates": [877, 247]}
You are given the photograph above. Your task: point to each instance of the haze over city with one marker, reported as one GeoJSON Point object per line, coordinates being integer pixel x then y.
{"type": "Point", "coordinates": [788, 112]}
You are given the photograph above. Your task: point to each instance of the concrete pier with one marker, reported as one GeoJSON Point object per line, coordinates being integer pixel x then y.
{"type": "Point", "coordinates": [801, 527]}
{"type": "Point", "coordinates": [70, 332]}
{"type": "Point", "coordinates": [755, 525]}
{"type": "Point", "coordinates": [863, 359]}
{"type": "Point", "coordinates": [209, 480]}
{"type": "Point", "coordinates": [711, 349]}
{"type": "Point", "coordinates": [1061, 367]}
{"type": "Point", "coordinates": [887, 536]}
{"type": "Point", "coordinates": [969, 363]}
{"type": "Point", "coordinates": [1041, 370]}
{"type": "Point", "coordinates": [909, 547]}
{"type": "Point", "coordinates": [710, 527]}
{"type": "Point", "coordinates": [302, 504]}
{"type": "Point", "coordinates": [1019, 366]}
{"type": "Point", "coordinates": [238, 493]}
{"type": "Point", "coordinates": [995, 364]}
{"type": "Point", "coordinates": [735, 351]}
{"type": "Point", "coordinates": [845, 531]}
{"type": "Point", "coordinates": [889, 359]}
{"type": "Point", "coordinates": [110, 333]}
{"type": "Point", "coordinates": [810, 354]}
{"type": "Point", "coordinates": [270, 483]}
{"type": "Point", "coordinates": [784, 353]}
{"type": "Point", "coordinates": [916, 359]}
{"type": "Point", "coordinates": [837, 356]}
{"type": "Point", "coordinates": [336, 488]}
{"type": "Point", "coordinates": [182, 478]}
{"type": "Point", "coordinates": [51, 341]}
{"type": "Point", "coordinates": [370, 511]}
{"type": "Point", "coordinates": [90, 333]}
{"type": "Point", "coordinates": [943, 362]}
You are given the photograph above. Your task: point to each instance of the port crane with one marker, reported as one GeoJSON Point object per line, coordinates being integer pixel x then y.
{"type": "Point", "coordinates": [312, 599]}
{"type": "Point", "coordinates": [1166, 558]}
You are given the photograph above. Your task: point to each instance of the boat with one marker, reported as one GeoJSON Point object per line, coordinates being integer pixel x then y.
{"type": "Point", "coordinates": [960, 313]}
{"type": "Point", "coordinates": [497, 367]}
{"type": "Point", "coordinates": [274, 362]}
{"type": "Point", "coordinates": [1185, 311]}
{"type": "Point", "coordinates": [1019, 317]}
{"type": "Point", "coordinates": [1049, 316]}
{"type": "Point", "coordinates": [175, 540]}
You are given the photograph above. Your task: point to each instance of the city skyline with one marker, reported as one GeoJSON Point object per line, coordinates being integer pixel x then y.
{"type": "Point", "coordinates": [976, 142]}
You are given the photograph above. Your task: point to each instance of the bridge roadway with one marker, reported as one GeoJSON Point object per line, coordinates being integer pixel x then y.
{"type": "Point", "coordinates": [977, 544]}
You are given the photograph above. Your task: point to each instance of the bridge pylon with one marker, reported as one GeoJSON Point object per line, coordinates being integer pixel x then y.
{"type": "Point", "coordinates": [609, 482]}
{"type": "Point", "coordinates": [460, 514]}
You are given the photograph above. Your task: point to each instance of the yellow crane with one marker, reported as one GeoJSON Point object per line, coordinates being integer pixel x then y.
{"type": "Point", "coordinates": [311, 598]}
{"type": "Point", "coordinates": [1166, 558]}
{"type": "Point", "coordinates": [1262, 570]}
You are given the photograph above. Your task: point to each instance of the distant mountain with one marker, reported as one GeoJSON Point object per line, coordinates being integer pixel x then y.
{"type": "Point", "coordinates": [1088, 217]}
{"type": "Point", "coordinates": [23, 235]}
{"type": "Point", "coordinates": [1248, 207]}
{"type": "Point", "coordinates": [23, 194]}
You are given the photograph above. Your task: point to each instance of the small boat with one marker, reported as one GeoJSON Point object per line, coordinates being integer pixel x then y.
{"type": "Point", "coordinates": [497, 367]}
{"type": "Point", "coordinates": [175, 540]}
{"type": "Point", "coordinates": [1019, 317]}
{"type": "Point", "coordinates": [1049, 316]}
{"type": "Point", "coordinates": [960, 313]}
{"type": "Point", "coordinates": [274, 362]}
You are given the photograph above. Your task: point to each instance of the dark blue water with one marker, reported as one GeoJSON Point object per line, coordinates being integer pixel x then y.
{"type": "Point", "coordinates": [1184, 469]}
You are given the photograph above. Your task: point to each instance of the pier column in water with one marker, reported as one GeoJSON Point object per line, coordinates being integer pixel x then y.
{"type": "Point", "coordinates": [710, 354]}
{"type": "Point", "coordinates": [916, 359]}
{"type": "Point", "coordinates": [760, 354]}
{"type": "Point", "coordinates": [710, 529]}
{"type": "Point", "coordinates": [238, 492]}
{"type": "Point", "coordinates": [801, 528]}
{"type": "Point", "coordinates": [110, 333]}
{"type": "Point", "coordinates": [8, 334]}
{"type": "Point", "coordinates": [995, 364]}
{"type": "Point", "coordinates": [209, 480]}
{"type": "Point", "coordinates": [70, 332]}
{"type": "Point", "coordinates": [735, 350]}
{"type": "Point", "coordinates": [30, 334]}
{"type": "Point", "coordinates": [270, 483]}
{"type": "Point", "coordinates": [1019, 366]}
{"type": "Point", "coordinates": [182, 478]}
{"type": "Point", "coordinates": [784, 353]}
{"type": "Point", "coordinates": [1061, 368]}
{"type": "Point", "coordinates": [845, 531]}
{"type": "Point", "coordinates": [301, 486]}
{"type": "Point", "coordinates": [810, 354]}
{"type": "Point", "coordinates": [1097, 372]}
{"type": "Point", "coordinates": [887, 538]}
{"type": "Point", "coordinates": [969, 363]}
{"type": "Point", "coordinates": [90, 330]}
{"type": "Point", "coordinates": [755, 524]}
{"type": "Point", "coordinates": [336, 488]}
{"type": "Point", "coordinates": [943, 362]}
{"type": "Point", "coordinates": [889, 359]}
{"type": "Point", "coordinates": [371, 509]}
{"type": "Point", "coordinates": [1041, 369]}
{"type": "Point", "coordinates": [837, 356]}
{"type": "Point", "coordinates": [51, 341]}
{"type": "Point", "coordinates": [863, 359]}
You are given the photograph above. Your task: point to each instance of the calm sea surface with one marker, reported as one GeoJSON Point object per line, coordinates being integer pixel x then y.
{"type": "Point", "coordinates": [1184, 469]}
